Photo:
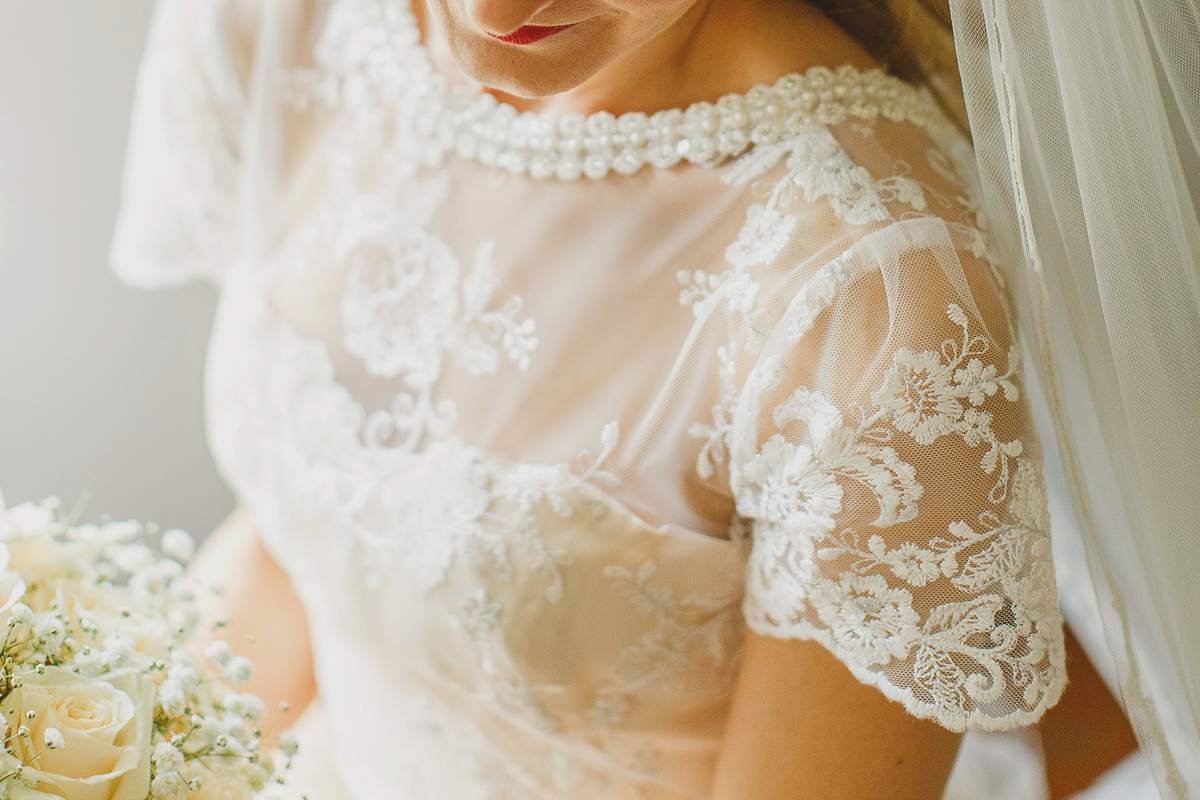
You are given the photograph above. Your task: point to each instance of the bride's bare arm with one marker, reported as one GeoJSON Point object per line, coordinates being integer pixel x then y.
{"type": "Point", "coordinates": [803, 728]}
{"type": "Point", "coordinates": [1087, 732]}
{"type": "Point", "coordinates": [266, 620]}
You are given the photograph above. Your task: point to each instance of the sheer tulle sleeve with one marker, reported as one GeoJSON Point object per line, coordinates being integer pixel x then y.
{"type": "Point", "coordinates": [886, 471]}
{"type": "Point", "coordinates": [177, 219]}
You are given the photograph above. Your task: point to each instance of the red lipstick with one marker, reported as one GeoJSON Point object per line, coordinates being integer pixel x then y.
{"type": "Point", "coordinates": [528, 34]}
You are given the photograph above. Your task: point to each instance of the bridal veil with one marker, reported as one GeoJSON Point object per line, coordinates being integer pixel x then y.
{"type": "Point", "coordinates": [1086, 124]}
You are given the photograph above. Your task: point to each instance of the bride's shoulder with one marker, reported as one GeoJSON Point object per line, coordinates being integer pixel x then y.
{"type": "Point", "coordinates": [870, 146]}
{"type": "Point", "coordinates": [752, 44]}
{"type": "Point", "coordinates": [865, 182]}
{"type": "Point", "coordinates": [797, 36]}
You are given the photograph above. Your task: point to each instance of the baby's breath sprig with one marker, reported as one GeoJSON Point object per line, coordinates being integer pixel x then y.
{"type": "Point", "coordinates": [106, 608]}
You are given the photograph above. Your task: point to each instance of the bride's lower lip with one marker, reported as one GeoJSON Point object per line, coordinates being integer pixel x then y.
{"type": "Point", "coordinates": [528, 34]}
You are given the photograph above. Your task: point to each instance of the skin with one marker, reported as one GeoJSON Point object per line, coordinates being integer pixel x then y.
{"type": "Point", "coordinates": [1086, 732]}
{"type": "Point", "coordinates": [801, 726]}
{"type": "Point", "coordinates": [630, 55]}
{"type": "Point", "coordinates": [266, 622]}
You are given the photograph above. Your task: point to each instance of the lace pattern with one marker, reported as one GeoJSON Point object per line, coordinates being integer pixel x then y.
{"type": "Point", "coordinates": [989, 655]}
{"type": "Point", "coordinates": [853, 422]}
{"type": "Point", "coordinates": [482, 539]}
{"type": "Point", "coordinates": [179, 210]}
{"type": "Point", "coordinates": [961, 626]}
{"type": "Point", "coordinates": [949, 660]}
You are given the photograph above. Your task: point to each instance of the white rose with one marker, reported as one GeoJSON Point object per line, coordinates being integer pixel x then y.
{"type": "Point", "coordinates": [105, 728]}
{"type": "Point", "coordinates": [45, 564]}
{"type": "Point", "coordinates": [224, 788]}
{"type": "Point", "coordinates": [113, 611]}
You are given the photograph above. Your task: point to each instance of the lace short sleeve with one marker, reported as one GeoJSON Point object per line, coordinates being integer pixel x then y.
{"type": "Point", "coordinates": [883, 461]}
{"type": "Point", "coordinates": [177, 217]}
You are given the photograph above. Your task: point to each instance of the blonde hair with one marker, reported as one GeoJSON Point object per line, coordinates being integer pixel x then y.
{"type": "Point", "coordinates": [912, 37]}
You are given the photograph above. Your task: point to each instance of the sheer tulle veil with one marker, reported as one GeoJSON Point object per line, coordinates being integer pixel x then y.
{"type": "Point", "coordinates": [1085, 118]}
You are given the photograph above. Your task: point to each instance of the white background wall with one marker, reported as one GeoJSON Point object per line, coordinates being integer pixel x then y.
{"type": "Point", "coordinates": [100, 384]}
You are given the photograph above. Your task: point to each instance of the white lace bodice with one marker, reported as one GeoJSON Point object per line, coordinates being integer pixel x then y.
{"type": "Point", "coordinates": [539, 413]}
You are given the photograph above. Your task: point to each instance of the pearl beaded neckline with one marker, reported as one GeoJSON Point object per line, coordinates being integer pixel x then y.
{"type": "Point", "coordinates": [372, 58]}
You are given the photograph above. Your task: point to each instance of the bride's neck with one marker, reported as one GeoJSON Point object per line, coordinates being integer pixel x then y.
{"type": "Point", "coordinates": [718, 47]}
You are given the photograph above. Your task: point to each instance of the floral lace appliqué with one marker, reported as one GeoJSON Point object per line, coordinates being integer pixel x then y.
{"type": "Point", "coordinates": [956, 625]}
{"type": "Point", "coordinates": [819, 166]}
{"type": "Point", "coordinates": [408, 303]}
{"type": "Point", "coordinates": [683, 628]}
{"type": "Point", "coordinates": [929, 395]}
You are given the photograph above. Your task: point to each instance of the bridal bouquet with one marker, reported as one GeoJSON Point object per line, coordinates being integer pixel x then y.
{"type": "Point", "coordinates": [101, 697]}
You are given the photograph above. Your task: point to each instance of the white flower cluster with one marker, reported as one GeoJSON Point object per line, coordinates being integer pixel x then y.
{"type": "Point", "coordinates": [101, 697]}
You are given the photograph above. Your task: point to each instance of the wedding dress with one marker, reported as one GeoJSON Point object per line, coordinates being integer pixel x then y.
{"type": "Point", "coordinates": [540, 413]}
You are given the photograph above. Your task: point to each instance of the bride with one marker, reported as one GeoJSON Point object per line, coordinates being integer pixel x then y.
{"type": "Point", "coordinates": [621, 395]}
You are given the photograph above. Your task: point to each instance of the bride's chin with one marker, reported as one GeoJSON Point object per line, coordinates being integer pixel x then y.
{"type": "Point", "coordinates": [530, 71]}
{"type": "Point", "coordinates": [535, 84]}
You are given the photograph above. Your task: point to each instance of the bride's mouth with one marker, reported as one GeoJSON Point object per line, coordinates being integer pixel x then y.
{"type": "Point", "coordinates": [528, 34]}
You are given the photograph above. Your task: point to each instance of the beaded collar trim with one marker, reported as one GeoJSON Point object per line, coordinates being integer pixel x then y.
{"type": "Point", "coordinates": [370, 57]}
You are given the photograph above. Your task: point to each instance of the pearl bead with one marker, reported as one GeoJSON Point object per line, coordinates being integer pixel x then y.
{"type": "Point", "coordinates": [703, 151]}
{"type": "Point", "coordinates": [662, 155]}
{"type": "Point", "coordinates": [503, 114]}
{"type": "Point", "coordinates": [788, 83]}
{"type": "Point", "coordinates": [540, 167]}
{"type": "Point", "coordinates": [731, 142]}
{"type": "Point", "coordinates": [765, 133]}
{"type": "Point", "coordinates": [757, 96]}
{"type": "Point", "coordinates": [829, 113]}
{"type": "Point", "coordinates": [568, 169]}
{"type": "Point", "coordinates": [701, 119]}
{"type": "Point", "coordinates": [819, 76]}
{"type": "Point", "coordinates": [864, 110]}
{"type": "Point", "coordinates": [597, 165]}
{"type": "Point", "coordinates": [518, 129]}
{"type": "Point", "coordinates": [487, 154]}
{"type": "Point", "coordinates": [631, 122]}
{"type": "Point", "coordinates": [572, 125]}
{"type": "Point", "coordinates": [570, 144]}
{"type": "Point", "coordinates": [627, 162]}
{"type": "Point", "coordinates": [512, 161]}
{"type": "Point", "coordinates": [601, 124]}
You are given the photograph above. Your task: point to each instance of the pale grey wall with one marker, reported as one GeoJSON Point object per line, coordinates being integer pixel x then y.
{"type": "Point", "coordinates": [100, 384]}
